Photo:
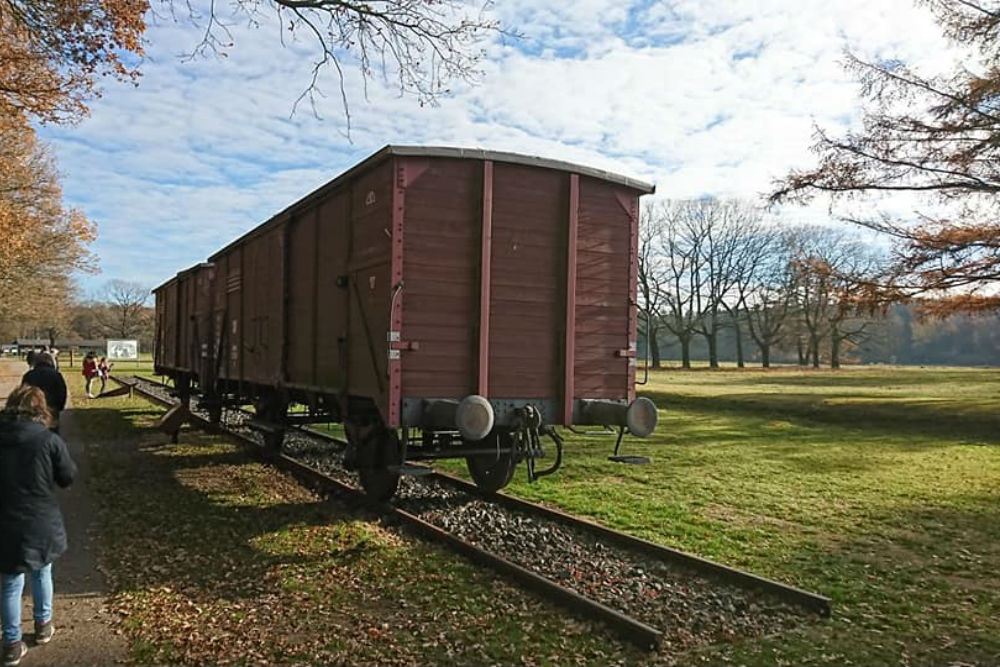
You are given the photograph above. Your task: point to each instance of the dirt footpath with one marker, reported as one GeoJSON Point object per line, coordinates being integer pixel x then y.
{"type": "Point", "coordinates": [83, 634]}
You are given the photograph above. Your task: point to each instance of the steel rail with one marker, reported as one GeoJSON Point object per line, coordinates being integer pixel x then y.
{"type": "Point", "coordinates": [630, 629]}
{"type": "Point", "coordinates": [814, 602]}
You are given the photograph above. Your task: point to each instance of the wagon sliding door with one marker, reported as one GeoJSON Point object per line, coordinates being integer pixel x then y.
{"type": "Point", "coordinates": [369, 287]}
{"type": "Point", "coordinates": [262, 308]}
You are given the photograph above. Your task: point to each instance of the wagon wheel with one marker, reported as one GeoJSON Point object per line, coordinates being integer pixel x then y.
{"type": "Point", "coordinates": [379, 457]}
{"type": "Point", "coordinates": [272, 408]}
{"type": "Point", "coordinates": [215, 413]}
{"type": "Point", "coordinates": [492, 472]}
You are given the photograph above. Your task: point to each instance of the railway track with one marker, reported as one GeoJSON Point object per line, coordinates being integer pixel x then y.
{"type": "Point", "coordinates": [648, 594]}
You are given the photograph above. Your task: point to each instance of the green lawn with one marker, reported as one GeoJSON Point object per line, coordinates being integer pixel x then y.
{"type": "Point", "coordinates": [879, 487]}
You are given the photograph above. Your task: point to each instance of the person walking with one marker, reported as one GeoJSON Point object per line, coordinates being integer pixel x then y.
{"type": "Point", "coordinates": [45, 376]}
{"type": "Point", "coordinates": [33, 460]}
{"type": "Point", "coordinates": [89, 371]}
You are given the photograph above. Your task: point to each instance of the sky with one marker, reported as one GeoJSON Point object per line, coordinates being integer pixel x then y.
{"type": "Point", "coordinates": [700, 97]}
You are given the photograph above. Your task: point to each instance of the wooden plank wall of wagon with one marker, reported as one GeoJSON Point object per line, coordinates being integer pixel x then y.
{"type": "Point", "coordinates": [158, 325]}
{"type": "Point", "coordinates": [185, 297]}
{"type": "Point", "coordinates": [230, 282]}
{"type": "Point", "coordinates": [302, 288]}
{"type": "Point", "coordinates": [261, 320]}
{"type": "Point", "coordinates": [221, 314]}
{"type": "Point", "coordinates": [441, 277]}
{"type": "Point", "coordinates": [602, 292]}
{"type": "Point", "coordinates": [203, 348]}
{"type": "Point", "coordinates": [332, 302]}
{"type": "Point", "coordinates": [370, 288]}
{"type": "Point", "coordinates": [527, 312]}
{"type": "Point", "coordinates": [167, 330]}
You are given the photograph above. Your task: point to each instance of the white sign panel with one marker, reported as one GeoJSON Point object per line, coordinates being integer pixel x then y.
{"type": "Point", "coordinates": [120, 350]}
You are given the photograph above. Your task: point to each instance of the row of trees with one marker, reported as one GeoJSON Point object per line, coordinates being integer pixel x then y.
{"type": "Point", "coordinates": [899, 336]}
{"type": "Point", "coordinates": [710, 264]}
{"type": "Point", "coordinates": [118, 310]}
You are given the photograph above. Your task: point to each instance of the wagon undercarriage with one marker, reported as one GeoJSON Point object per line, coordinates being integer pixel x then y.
{"type": "Point", "coordinates": [445, 429]}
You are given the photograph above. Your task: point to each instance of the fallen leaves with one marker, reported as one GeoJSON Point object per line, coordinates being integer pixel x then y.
{"type": "Point", "coordinates": [214, 558]}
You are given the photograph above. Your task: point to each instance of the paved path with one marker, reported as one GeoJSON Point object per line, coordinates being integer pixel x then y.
{"type": "Point", "coordinates": [83, 635]}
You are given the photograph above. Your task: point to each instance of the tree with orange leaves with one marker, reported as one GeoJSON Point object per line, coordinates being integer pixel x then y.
{"type": "Point", "coordinates": [42, 242]}
{"type": "Point", "coordinates": [937, 138]}
{"type": "Point", "coordinates": [52, 53]}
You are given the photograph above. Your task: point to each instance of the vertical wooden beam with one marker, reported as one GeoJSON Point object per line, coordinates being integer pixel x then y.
{"type": "Point", "coordinates": [570, 328]}
{"type": "Point", "coordinates": [395, 366]}
{"type": "Point", "coordinates": [316, 301]}
{"type": "Point", "coordinates": [485, 277]}
{"type": "Point", "coordinates": [241, 341]}
{"type": "Point", "coordinates": [285, 244]}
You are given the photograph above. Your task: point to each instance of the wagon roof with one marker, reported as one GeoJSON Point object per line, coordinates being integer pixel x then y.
{"type": "Point", "coordinates": [513, 158]}
{"type": "Point", "coordinates": [445, 152]}
{"type": "Point", "coordinates": [179, 274]}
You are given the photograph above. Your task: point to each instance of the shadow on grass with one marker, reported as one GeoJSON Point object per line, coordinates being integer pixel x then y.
{"type": "Point", "coordinates": [943, 417]}
{"type": "Point", "coordinates": [186, 517]}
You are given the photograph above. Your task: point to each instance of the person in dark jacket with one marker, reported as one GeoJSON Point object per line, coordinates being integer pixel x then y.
{"type": "Point", "coordinates": [33, 460]}
{"type": "Point", "coordinates": [45, 376]}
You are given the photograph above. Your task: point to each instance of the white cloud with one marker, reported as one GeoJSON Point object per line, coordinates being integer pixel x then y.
{"type": "Point", "coordinates": [698, 96]}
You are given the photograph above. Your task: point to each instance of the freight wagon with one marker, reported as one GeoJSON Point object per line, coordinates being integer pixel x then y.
{"type": "Point", "coordinates": [438, 302]}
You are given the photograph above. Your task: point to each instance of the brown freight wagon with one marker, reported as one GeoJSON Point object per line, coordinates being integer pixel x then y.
{"type": "Point", "coordinates": [439, 302]}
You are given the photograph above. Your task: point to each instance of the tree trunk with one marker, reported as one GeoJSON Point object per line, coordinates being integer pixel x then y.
{"type": "Point", "coordinates": [739, 345]}
{"type": "Point", "coordinates": [765, 356]}
{"type": "Point", "coordinates": [654, 349]}
{"type": "Point", "coordinates": [801, 351]}
{"type": "Point", "coordinates": [711, 339]}
{"type": "Point", "coordinates": [834, 351]}
{"type": "Point", "coordinates": [814, 351]}
{"type": "Point", "coordinates": [686, 353]}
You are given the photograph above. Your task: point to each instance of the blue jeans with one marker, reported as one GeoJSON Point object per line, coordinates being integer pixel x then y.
{"type": "Point", "coordinates": [41, 595]}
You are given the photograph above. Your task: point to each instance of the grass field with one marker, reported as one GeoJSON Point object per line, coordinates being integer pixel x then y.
{"type": "Point", "coordinates": [879, 487]}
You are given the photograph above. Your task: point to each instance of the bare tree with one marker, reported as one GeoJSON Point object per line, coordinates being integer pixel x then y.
{"type": "Point", "coordinates": [936, 138]}
{"type": "Point", "coordinates": [126, 312]}
{"type": "Point", "coordinates": [832, 273]}
{"type": "Point", "coordinates": [767, 296]}
{"type": "Point", "coordinates": [718, 225]}
{"type": "Point", "coordinates": [52, 54]}
{"type": "Point", "coordinates": [750, 253]}
{"type": "Point", "coordinates": [422, 47]}
{"type": "Point", "coordinates": [680, 247]}
{"type": "Point", "coordinates": [758, 287]}
{"type": "Point", "coordinates": [652, 277]}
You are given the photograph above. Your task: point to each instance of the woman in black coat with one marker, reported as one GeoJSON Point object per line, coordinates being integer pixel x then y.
{"type": "Point", "coordinates": [33, 460]}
